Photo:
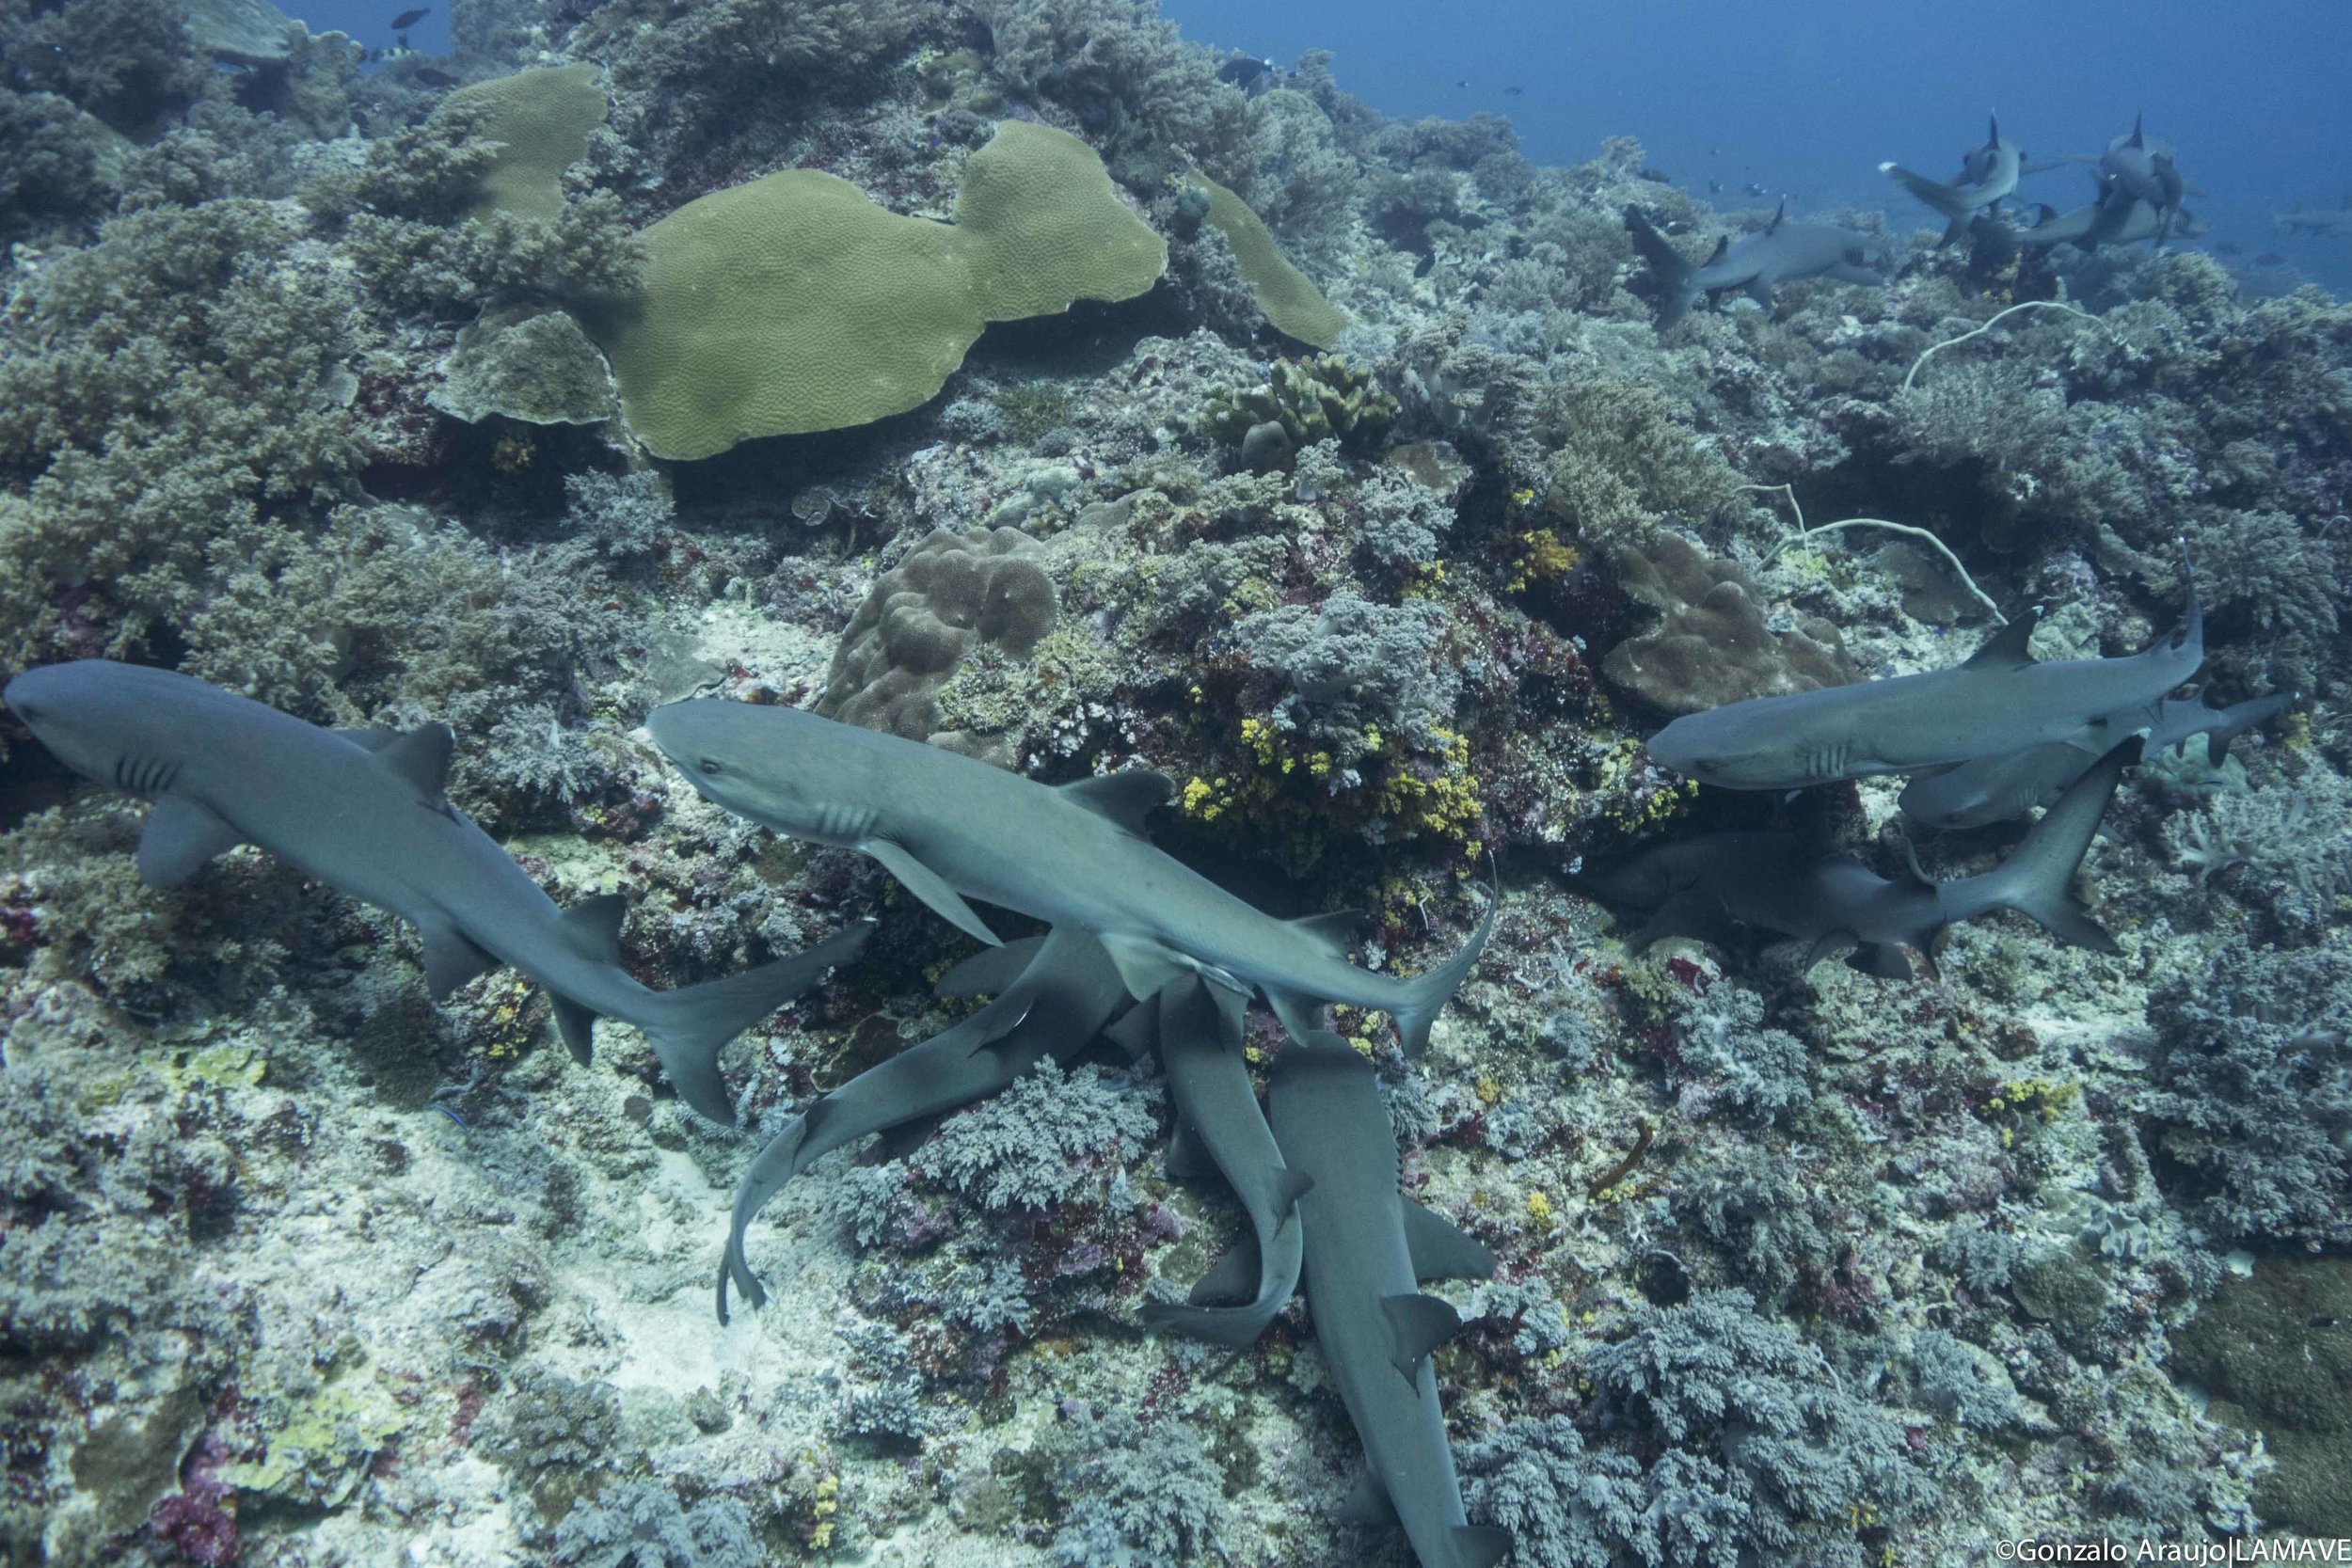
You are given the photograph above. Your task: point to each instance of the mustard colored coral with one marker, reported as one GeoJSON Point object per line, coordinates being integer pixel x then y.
{"type": "Point", "coordinates": [1294, 305]}
{"type": "Point", "coordinates": [794, 304]}
{"type": "Point", "coordinates": [541, 119]}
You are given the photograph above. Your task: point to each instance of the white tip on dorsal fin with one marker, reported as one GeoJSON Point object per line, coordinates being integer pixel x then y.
{"type": "Point", "coordinates": [1127, 798]}
{"type": "Point", "coordinates": [373, 738]}
{"type": "Point", "coordinates": [180, 836]}
{"type": "Point", "coordinates": [2006, 649]}
{"type": "Point", "coordinates": [931, 888]}
{"type": "Point", "coordinates": [1417, 1325]}
{"type": "Point", "coordinates": [1440, 1250]}
{"type": "Point", "coordinates": [593, 927]}
{"type": "Point", "coordinates": [1779, 215]}
{"type": "Point", "coordinates": [420, 760]}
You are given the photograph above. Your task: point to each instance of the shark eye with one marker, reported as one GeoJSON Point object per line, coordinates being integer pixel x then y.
{"type": "Point", "coordinates": [710, 766]}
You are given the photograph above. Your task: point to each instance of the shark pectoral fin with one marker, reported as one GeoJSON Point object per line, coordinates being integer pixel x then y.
{"type": "Point", "coordinates": [1440, 1250]}
{"type": "Point", "coordinates": [1479, 1545]}
{"type": "Point", "coordinates": [1233, 1278]}
{"type": "Point", "coordinates": [180, 836]}
{"type": "Point", "coordinates": [1145, 967]}
{"type": "Point", "coordinates": [991, 972]}
{"type": "Point", "coordinates": [1828, 942]}
{"type": "Point", "coordinates": [1759, 290]}
{"type": "Point", "coordinates": [1289, 1187]}
{"type": "Point", "coordinates": [1367, 1502]}
{"type": "Point", "coordinates": [1127, 798]}
{"type": "Point", "coordinates": [931, 888]}
{"type": "Point", "coordinates": [1882, 960]}
{"type": "Point", "coordinates": [2006, 649]}
{"type": "Point", "coordinates": [1188, 1156]}
{"type": "Point", "coordinates": [578, 1026]}
{"type": "Point", "coordinates": [1418, 1324]}
{"type": "Point", "coordinates": [420, 759]}
{"type": "Point", "coordinates": [1696, 914]}
{"type": "Point", "coordinates": [450, 959]}
{"type": "Point", "coordinates": [593, 927]}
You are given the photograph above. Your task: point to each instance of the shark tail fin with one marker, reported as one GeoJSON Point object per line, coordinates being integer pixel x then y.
{"type": "Point", "coordinates": [776, 1164]}
{"type": "Point", "coordinates": [2038, 878]}
{"type": "Point", "coordinates": [1673, 270]}
{"type": "Point", "coordinates": [1425, 995]}
{"type": "Point", "coordinates": [690, 1026]}
{"type": "Point", "coordinates": [1957, 205]}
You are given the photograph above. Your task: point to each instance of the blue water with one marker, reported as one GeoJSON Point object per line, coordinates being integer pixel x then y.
{"type": "Point", "coordinates": [1809, 99]}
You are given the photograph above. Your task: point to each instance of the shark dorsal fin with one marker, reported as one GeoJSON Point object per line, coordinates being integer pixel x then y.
{"type": "Point", "coordinates": [1826, 943]}
{"type": "Point", "coordinates": [1127, 798]}
{"type": "Point", "coordinates": [1722, 243]}
{"type": "Point", "coordinates": [1440, 1250]}
{"type": "Point", "coordinates": [990, 972]}
{"type": "Point", "coordinates": [1417, 1325]}
{"type": "Point", "coordinates": [2006, 649]}
{"type": "Point", "coordinates": [420, 759]}
{"type": "Point", "coordinates": [373, 737]}
{"type": "Point", "coordinates": [1136, 1033]}
{"type": "Point", "coordinates": [1329, 931]}
{"type": "Point", "coordinates": [593, 927]}
{"type": "Point", "coordinates": [1289, 1187]}
{"type": "Point", "coordinates": [1779, 215]}
{"type": "Point", "coordinates": [1992, 137]}
{"type": "Point", "coordinates": [2137, 140]}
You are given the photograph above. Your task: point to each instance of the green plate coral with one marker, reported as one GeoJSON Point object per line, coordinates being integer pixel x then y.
{"type": "Point", "coordinates": [542, 118]}
{"type": "Point", "coordinates": [794, 304]}
{"type": "Point", "coordinates": [1294, 305]}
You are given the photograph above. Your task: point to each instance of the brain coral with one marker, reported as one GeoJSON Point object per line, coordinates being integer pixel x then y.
{"type": "Point", "coordinates": [1711, 645]}
{"type": "Point", "coordinates": [794, 304]}
{"type": "Point", "coordinates": [1294, 305]}
{"type": "Point", "coordinates": [953, 592]}
{"type": "Point", "coordinates": [542, 119]}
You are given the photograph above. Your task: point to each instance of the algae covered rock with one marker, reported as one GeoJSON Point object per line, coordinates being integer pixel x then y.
{"type": "Point", "coordinates": [1711, 643]}
{"type": "Point", "coordinates": [1294, 305]}
{"type": "Point", "coordinates": [541, 119]}
{"type": "Point", "coordinates": [795, 304]}
{"type": "Point", "coordinates": [2276, 1352]}
{"type": "Point", "coordinates": [541, 370]}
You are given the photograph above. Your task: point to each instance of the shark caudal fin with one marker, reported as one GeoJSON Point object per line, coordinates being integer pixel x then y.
{"type": "Point", "coordinates": [690, 1026]}
{"type": "Point", "coordinates": [1957, 206]}
{"type": "Point", "coordinates": [2038, 878]}
{"type": "Point", "coordinates": [1425, 995]}
{"type": "Point", "coordinates": [1674, 272]}
{"type": "Point", "coordinates": [775, 1166]}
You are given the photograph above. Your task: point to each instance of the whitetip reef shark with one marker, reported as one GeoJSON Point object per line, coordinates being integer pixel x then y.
{"type": "Point", "coordinates": [2001, 701]}
{"type": "Point", "coordinates": [1782, 252]}
{"type": "Point", "coordinates": [1367, 1247]}
{"type": "Point", "coordinates": [2328, 222]}
{"type": "Point", "coordinates": [2105, 221]}
{"type": "Point", "coordinates": [950, 827]}
{"type": "Point", "coordinates": [364, 811]}
{"type": "Point", "coordinates": [1196, 1027]}
{"type": "Point", "coordinates": [1794, 883]}
{"type": "Point", "coordinates": [1049, 997]}
{"type": "Point", "coordinates": [1989, 176]}
{"type": "Point", "coordinates": [2141, 168]}
{"type": "Point", "coordinates": [1994, 789]}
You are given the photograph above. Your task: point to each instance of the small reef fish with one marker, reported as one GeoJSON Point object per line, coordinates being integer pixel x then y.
{"type": "Point", "coordinates": [1220, 1133]}
{"type": "Point", "coordinates": [1050, 997]}
{"type": "Point", "coordinates": [1994, 789]}
{"type": "Point", "coordinates": [1794, 883]}
{"type": "Point", "coordinates": [1782, 252]}
{"type": "Point", "coordinates": [2001, 701]}
{"type": "Point", "coordinates": [1988, 176]}
{"type": "Point", "coordinates": [1367, 1247]}
{"type": "Point", "coordinates": [364, 811]}
{"type": "Point", "coordinates": [948, 828]}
